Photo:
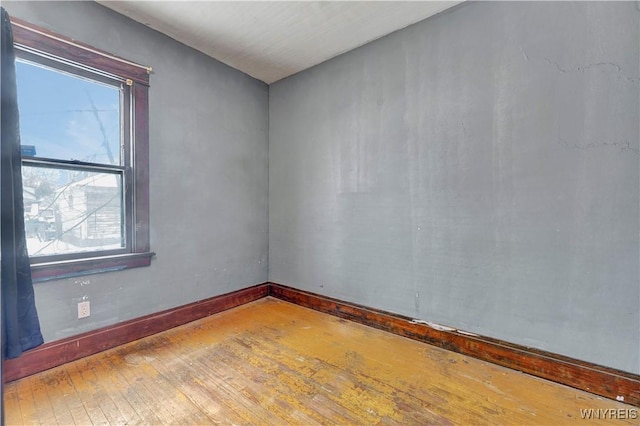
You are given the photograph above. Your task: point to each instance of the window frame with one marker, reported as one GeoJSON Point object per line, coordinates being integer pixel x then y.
{"type": "Point", "coordinates": [35, 44]}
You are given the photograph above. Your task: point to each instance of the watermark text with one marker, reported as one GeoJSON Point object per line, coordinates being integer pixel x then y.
{"type": "Point", "coordinates": [609, 413]}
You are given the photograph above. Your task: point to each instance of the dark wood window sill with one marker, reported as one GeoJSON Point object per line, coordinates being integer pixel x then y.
{"type": "Point", "coordinates": [94, 265]}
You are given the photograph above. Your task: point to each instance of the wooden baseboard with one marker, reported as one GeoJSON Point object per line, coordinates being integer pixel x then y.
{"type": "Point", "coordinates": [596, 379]}
{"type": "Point", "coordinates": [70, 349]}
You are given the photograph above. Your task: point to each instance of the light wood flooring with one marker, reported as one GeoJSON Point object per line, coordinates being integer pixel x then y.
{"type": "Point", "coordinates": [274, 363]}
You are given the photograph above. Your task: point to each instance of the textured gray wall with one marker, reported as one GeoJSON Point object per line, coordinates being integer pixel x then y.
{"type": "Point", "coordinates": [478, 169]}
{"type": "Point", "coordinates": [208, 184]}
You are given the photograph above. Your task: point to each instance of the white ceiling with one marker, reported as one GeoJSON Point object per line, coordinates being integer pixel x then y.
{"type": "Point", "coordinates": [270, 40]}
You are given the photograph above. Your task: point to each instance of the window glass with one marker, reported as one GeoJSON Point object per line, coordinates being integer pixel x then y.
{"type": "Point", "coordinates": [71, 211]}
{"type": "Point", "coordinates": [67, 117]}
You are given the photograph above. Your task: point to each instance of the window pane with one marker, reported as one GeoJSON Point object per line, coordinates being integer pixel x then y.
{"type": "Point", "coordinates": [71, 211]}
{"type": "Point", "coordinates": [67, 117]}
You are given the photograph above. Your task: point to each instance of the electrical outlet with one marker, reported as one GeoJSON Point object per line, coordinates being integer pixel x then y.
{"type": "Point", "coordinates": [84, 309]}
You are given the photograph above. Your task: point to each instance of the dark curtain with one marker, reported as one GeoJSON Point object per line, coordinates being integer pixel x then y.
{"type": "Point", "coordinates": [21, 328]}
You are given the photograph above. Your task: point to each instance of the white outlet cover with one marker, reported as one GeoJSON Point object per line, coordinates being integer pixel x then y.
{"type": "Point", "coordinates": [84, 309]}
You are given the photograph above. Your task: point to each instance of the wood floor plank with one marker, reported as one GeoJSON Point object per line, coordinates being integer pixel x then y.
{"type": "Point", "coordinates": [273, 363]}
{"type": "Point", "coordinates": [287, 376]}
{"type": "Point", "coordinates": [145, 402]}
{"type": "Point", "coordinates": [44, 410]}
{"type": "Point", "coordinates": [64, 387]}
{"type": "Point", "coordinates": [231, 389]}
{"type": "Point", "coordinates": [113, 387]}
{"type": "Point", "coordinates": [55, 384]}
{"type": "Point", "coordinates": [185, 375]}
{"type": "Point", "coordinates": [343, 369]}
{"type": "Point", "coordinates": [26, 401]}
{"type": "Point", "coordinates": [252, 384]}
{"type": "Point", "coordinates": [156, 392]}
{"type": "Point", "coordinates": [86, 391]}
{"type": "Point", "coordinates": [12, 412]}
{"type": "Point", "coordinates": [348, 391]}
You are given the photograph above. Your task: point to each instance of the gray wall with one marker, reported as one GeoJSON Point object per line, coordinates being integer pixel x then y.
{"type": "Point", "coordinates": [478, 169]}
{"type": "Point", "coordinates": [208, 183]}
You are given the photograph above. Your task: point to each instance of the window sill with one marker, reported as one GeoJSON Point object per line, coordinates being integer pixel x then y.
{"type": "Point", "coordinates": [95, 265]}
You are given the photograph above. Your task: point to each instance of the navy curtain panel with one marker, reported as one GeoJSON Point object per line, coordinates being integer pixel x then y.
{"type": "Point", "coordinates": [21, 328]}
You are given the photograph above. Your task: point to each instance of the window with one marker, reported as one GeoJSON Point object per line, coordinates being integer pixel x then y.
{"type": "Point", "coordinates": [84, 139]}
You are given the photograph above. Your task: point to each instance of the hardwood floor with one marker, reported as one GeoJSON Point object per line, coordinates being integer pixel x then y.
{"type": "Point", "coordinates": [271, 362]}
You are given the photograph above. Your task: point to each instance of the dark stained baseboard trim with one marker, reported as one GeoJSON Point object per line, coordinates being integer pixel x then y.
{"type": "Point", "coordinates": [593, 378]}
{"type": "Point", "coordinates": [72, 348]}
